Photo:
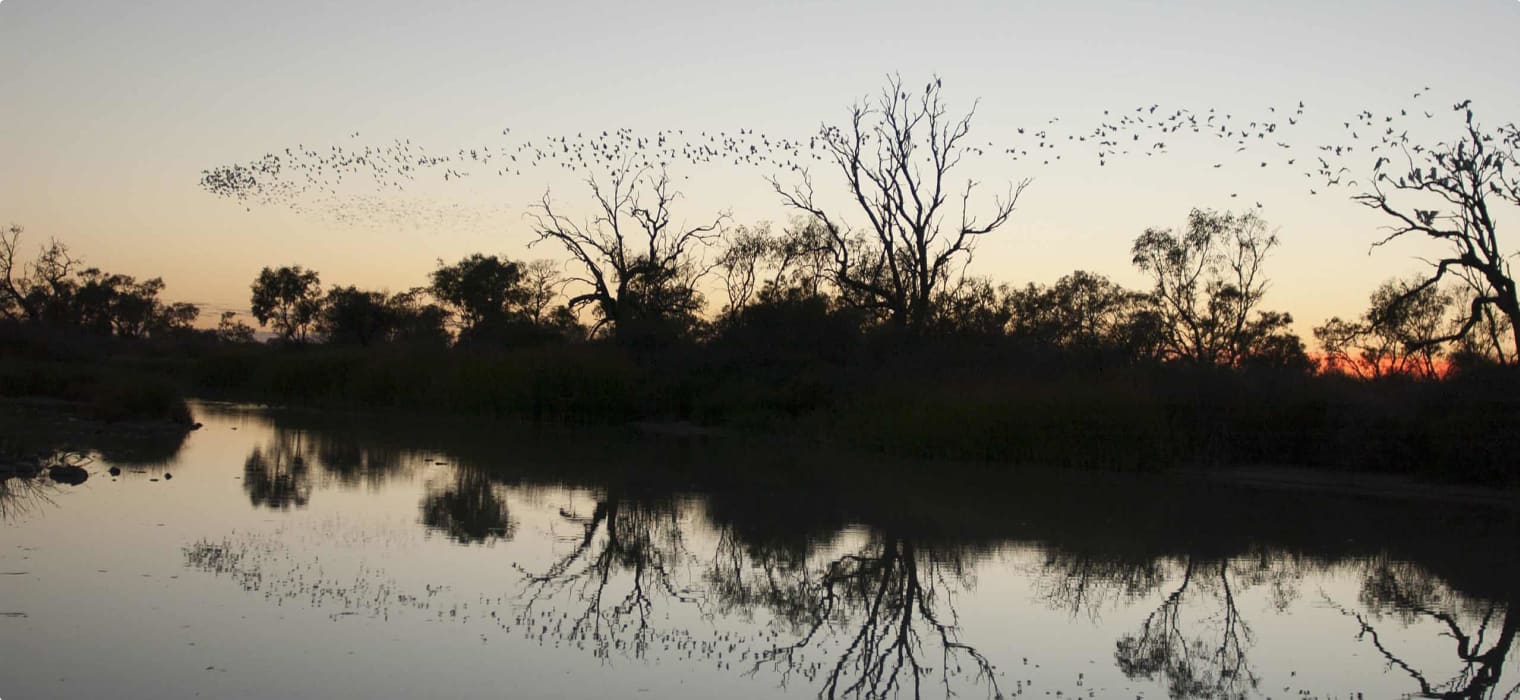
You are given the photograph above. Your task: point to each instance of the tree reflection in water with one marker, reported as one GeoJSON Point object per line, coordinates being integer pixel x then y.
{"type": "Point", "coordinates": [277, 475]}
{"type": "Point", "coordinates": [1196, 639]}
{"type": "Point", "coordinates": [1412, 595]}
{"type": "Point", "coordinates": [620, 565]}
{"type": "Point", "coordinates": [891, 605]}
{"type": "Point", "coordinates": [280, 474]}
{"type": "Point", "coordinates": [471, 510]}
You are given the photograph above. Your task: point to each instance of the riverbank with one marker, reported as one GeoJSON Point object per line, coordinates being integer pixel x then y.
{"type": "Point", "coordinates": [946, 402]}
{"type": "Point", "coordinates": [952, 402]}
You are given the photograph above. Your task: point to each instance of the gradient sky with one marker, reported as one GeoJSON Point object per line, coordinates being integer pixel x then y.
{"type": "Point", "coordinates": [109, 111]}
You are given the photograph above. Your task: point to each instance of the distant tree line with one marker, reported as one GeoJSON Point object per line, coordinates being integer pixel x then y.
{"type": "Point", "coordinates": [55, 289]}
{"type": "Point", "coordinates": [635, 273]}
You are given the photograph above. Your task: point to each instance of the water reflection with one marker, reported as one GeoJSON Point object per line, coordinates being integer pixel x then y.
{"type": "Point", "coordinates": [889, 607]}
{"type": "Point", "coordinates": [281, 473]}
{"type": "Point", "coordinates": [470, 510]}
{"type": "Point", "coordinates": [1410, 595]}
{"type": "Point", "coordinates": [278, 475]}
{"type": "Point", "coordinates": [856, 586]}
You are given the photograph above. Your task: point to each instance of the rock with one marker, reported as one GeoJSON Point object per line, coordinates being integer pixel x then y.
{"type": "Point", "coordinates": [68, 474]}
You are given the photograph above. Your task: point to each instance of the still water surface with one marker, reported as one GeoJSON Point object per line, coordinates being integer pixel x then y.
{"type": "Point", "coordinates": [293, 555]}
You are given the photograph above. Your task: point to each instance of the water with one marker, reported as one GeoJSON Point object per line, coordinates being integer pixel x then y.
{"type": "Point", "coordinates": [302, 555]}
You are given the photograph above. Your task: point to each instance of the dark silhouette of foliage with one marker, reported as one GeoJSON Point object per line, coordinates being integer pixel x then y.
{"type": "Point", "coordinates": [1208, 285]}
{"type": "Point", "coordinates": [638, 269]}
{"type": "Point", "coordinates": [1395, 336]}
{"type": "Point", "coordinates": [290, 299]}
{"type": "Point", "coordinates": [230, 329]}
{"type": "Point", "coordinates": [480, 289]}
{"type": "Point", "coordinates": [1465, 183]}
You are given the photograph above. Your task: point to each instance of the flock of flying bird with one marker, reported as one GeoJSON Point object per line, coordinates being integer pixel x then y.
{"type": "Point", "coordinates": [357, 183]}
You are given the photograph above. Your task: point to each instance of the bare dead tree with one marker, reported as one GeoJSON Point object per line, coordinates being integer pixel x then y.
{"type": "Point", "coordinates": [542, 283]}
{"type": "Point", "coordinates": [26, 289]}
{"type": "Point", "coordinates": [637, 264]}
{"type": "Point", "coordinates": [1463, 182]}
{"type": "Point", "coordinates": [896, 155]}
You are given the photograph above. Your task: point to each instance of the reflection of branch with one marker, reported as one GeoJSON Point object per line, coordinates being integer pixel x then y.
{"type": "Point", "coordinates": [1192, 668]}
{"type": "Point", "coordinates": [617, 538]}
{"type": "Point", "coordinates": [20, 495]}
{"type": "Point", "coordinates": [1080, 582]}
{"type": "Point", "coordinates": [1479, 677]}
{"type": "Point", "coordinates": [897, 597]}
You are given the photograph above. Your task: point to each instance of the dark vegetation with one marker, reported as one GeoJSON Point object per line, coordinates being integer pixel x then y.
{"type": "Point", "coordinates": [872, 335]}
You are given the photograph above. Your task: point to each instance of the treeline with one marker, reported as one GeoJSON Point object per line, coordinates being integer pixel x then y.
{"type": "Point", "coordinates": [874, 334]}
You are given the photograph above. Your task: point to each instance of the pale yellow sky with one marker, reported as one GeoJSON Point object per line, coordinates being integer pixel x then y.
{"type": "Point", "coordinates": [110, 112]}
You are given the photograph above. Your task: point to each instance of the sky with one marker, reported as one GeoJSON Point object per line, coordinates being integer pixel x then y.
{"type": "Point", "coordinates": [110, 112]}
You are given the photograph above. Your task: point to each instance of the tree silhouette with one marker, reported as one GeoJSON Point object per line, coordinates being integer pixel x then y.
{"type": "Point", "coordinates": [1464, 183]}
{"type": "Point", "coordinates": [290, 298]}
{"type": "Point", "coordinates": [639, 268]}
{"type": "Point", "coordinates": [897, 155]}
{"type": "Point", "coordinates": [1207, 283]}
{"type": "Point", "coordinates": [1395, 336]}
{"type": "Point", "coordinates": [278, 476]}
{"type": "Point", "coordinates": [619, 566]}
{"type": "Point", "coordinates": [1213, 665]}
{"type": "Point", "coordinates": [891, 603]}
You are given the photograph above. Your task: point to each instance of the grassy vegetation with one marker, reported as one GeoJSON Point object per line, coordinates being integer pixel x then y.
{"type": "Point", "coordinates": [966, 399]}
{"type": "Point", "coordinates": [970, 404]}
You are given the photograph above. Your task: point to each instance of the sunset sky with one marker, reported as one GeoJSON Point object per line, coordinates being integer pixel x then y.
{"type": "Point", "coordinates": [110, 111]}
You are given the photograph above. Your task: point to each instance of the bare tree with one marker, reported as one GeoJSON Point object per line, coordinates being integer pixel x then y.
{"type": "Point", "coordinates": [639, 266]}
{"type": "Point", "coordinates": [1464, 182]}
{"type": "Point", "coordinates": [896, 155]}
{"type": "Point", "coordinates": [29, 290]}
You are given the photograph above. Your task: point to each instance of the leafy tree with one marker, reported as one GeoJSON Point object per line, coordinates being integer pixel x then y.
{"type": "Point", "coordinates": [480, 289]}
{"type": "Point", "coordinates": [1396, 335]}
{"type": "Point", "coordinates": [418, 321]}
{"type": "Point", "coordinates": [229, 329]}
{"type": "Point", "coordinates": [351, 316]}
{"type": "Point", "coordinates": [290, 299]}
{"type": "Point", "coordinates": [1208, 285]}
{"type": "Point", "coordinates": [1083, 311]}
{"type": "Point", "coordinates": [974, 307]}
